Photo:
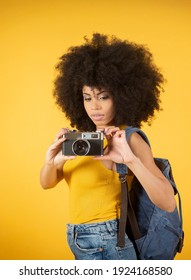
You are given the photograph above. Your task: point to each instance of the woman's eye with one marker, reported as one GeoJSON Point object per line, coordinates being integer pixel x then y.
{"type": "Point", "coordinates": [99, 97]}
{"type": "Point", "coordinates": [104, 97]}
{"type": "Point", "coordinates": [87, 98]}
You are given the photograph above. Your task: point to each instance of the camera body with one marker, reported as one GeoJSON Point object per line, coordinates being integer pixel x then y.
{"type": "Point", "coordinates": [83, 143]}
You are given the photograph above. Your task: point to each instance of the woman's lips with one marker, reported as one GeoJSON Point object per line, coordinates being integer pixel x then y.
{"type": "Point", "coordinates": [97, 117]}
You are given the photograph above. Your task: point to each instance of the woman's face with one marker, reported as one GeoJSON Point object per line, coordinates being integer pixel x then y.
{"type": "Point", "coordinates": [99, 106]}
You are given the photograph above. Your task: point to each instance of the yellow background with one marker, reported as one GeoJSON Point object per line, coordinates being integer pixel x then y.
{"type": "Point", "coordinates": [34, 34]}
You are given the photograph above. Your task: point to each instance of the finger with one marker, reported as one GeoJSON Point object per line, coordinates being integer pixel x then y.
{"type": "Point", "coordinates": [111, 130]}
{"type": "Point", "coordinates": [57, 142]}
{"type": "Point", "coordinates": [60, 134]}
{"type": "Point", "coordinates": [119, 133]}
{"type": "Point", "coordinates": [108, 137]}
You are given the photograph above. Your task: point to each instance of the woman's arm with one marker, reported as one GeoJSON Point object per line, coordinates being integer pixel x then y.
{"type": "Point", "coordinates": [51, 175]}
{"type": "Point", "coordinates": [154, 182]}
{"type": "Point", "coordinates": [52, 171]}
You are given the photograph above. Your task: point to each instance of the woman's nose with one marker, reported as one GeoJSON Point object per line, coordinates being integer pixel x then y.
{"type": "Point", "coordinates": [95, 105]}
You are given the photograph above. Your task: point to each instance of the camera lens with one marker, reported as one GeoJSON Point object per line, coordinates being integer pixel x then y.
{"type": "Point", "coordinates": [81, 147]}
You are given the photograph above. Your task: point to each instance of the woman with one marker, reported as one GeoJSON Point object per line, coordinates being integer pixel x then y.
{"type": "Point", "coordinates": [105, 84]}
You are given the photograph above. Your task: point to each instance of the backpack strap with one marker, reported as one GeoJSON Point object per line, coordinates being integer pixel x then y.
{"type": "Point", "coordinates": [126, 206]}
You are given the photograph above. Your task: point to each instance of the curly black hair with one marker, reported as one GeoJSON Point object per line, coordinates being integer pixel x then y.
{"type": "Point", "coordinates": [124, 68]}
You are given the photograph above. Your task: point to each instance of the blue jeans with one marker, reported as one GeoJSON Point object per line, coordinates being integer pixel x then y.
{"type": "Point", "coordinates": [98, 241]}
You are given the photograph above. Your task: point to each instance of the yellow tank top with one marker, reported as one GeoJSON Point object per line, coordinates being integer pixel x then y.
{"type": "Point", "coordinates": [94, 191]}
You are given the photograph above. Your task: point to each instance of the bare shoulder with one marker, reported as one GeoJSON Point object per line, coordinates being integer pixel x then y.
{"type": "Point", "coordinates": [138, 144]}
{"type": "Point", "coordinates": [142, 150]}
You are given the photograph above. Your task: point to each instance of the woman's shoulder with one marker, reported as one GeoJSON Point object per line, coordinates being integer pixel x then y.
{"type": "Point", "coordinates": [139, 146]}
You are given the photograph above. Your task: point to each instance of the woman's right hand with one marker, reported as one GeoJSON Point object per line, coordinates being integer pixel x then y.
{"type": "Point", "coordinates": [54, 154]}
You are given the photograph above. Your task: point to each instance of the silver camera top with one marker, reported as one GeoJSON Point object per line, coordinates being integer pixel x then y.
{"type": "Point", "coordinates": [73, 134]}
{"type": "Point", "coordinates": [92, 135]}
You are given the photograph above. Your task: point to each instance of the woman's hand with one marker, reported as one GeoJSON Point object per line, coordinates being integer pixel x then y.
{"type": "Point", "coordinates": [117, 150]}
{"type": "Point", "coordinates": [52, 171]}
{"type": "Point", "coordinates": [54, 154]}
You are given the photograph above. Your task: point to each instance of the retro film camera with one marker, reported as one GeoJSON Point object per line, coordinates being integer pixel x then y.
{"type": "Point", "coordinates": [83, 143]}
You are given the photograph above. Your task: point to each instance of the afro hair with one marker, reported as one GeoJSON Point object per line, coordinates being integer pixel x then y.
{"type": "Point", "coordinates": [124, 68]}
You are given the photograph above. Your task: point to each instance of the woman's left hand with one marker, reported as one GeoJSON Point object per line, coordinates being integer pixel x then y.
{"type": "Point", "coordinates": [117, 150]}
